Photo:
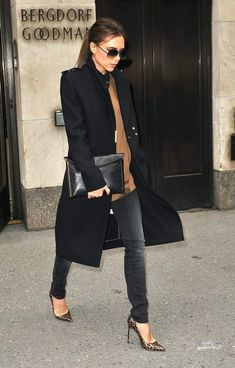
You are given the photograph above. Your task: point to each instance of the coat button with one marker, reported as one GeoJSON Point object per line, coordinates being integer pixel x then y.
{"type": "Point", "coordinates": [136, 133]}
{"type": "Point", "coordinates": [133, 128]}
{"type": "Point", "coordinates": [128, 136]}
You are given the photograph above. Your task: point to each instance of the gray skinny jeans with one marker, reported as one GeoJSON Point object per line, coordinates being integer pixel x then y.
{"type": "Point", "coordinates": [127, 212]}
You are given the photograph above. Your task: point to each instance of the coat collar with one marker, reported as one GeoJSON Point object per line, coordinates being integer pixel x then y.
{"type": "Point", "coordinates": [103, 78]}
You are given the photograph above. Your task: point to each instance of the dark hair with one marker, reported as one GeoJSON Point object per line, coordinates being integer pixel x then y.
{"type": "Point", "coordinates": [99, 31]}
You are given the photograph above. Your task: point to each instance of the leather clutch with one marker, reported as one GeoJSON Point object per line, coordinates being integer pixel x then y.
{"type": "Point", "coordinates": [111, 167]}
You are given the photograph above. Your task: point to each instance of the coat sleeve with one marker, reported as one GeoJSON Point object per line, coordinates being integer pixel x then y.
{"type": "Point", "coordinates": [77, 136]}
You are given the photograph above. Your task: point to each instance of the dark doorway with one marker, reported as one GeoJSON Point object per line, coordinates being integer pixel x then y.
{"type": "Point", "coordinates": [10, 193]}
{"type": "Point", "coordinates": [170, 70]}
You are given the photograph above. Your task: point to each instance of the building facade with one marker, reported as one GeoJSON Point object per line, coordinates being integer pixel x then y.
{"type": "Point", "coordinates": [45, 39]}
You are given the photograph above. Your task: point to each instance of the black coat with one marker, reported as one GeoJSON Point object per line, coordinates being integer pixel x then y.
{"type": "Point", "coordinates": [84, 227]}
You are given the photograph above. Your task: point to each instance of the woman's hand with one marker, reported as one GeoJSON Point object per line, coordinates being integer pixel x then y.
{"type": "Point", "coordinates": [98, 192]}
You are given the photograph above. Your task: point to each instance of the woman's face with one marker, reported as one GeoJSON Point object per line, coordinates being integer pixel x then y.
{"type": "Point", "coordinates": [103, 62]}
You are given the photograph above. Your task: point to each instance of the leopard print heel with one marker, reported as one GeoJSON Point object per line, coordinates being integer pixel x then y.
{"type": "Point", "coordinates": [63, 317]}
{"type": "Point", "coordinates": [154, 346]}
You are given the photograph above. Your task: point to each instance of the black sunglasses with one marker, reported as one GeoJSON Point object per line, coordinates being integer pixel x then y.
{"type": "Point", "coordinates": [114, 52]}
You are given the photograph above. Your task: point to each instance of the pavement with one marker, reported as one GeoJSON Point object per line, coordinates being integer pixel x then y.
{"type": "Point", "coordinates": [190, 291]}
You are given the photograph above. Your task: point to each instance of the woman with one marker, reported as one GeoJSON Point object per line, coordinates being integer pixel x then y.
{"type": "Point", "coordinates": [100, 120]}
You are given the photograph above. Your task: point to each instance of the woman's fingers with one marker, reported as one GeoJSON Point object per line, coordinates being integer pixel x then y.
{"type": "Point", "coordinates": [98, 192]}
{"type": "Point", "coordinates": [106, 188]}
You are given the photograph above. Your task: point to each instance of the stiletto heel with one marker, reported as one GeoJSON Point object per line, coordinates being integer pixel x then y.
{"type": "Point", "coordinates": [146, 345]}
{"type": "Point", "coordinates": [128, 335]}
{"type": "Point", "coordinates": [62, 317]}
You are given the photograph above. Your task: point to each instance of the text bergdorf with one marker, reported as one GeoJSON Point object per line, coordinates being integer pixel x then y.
{"type": "Point", "coordinates": [55, 15]}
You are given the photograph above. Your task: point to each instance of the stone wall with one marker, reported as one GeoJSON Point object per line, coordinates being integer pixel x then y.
{"type": "Point", "coordinates": [40, 62]}
{"type": "Point", "coordinates": [223, 47]}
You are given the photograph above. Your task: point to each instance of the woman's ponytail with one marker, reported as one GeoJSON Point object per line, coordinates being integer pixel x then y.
{"type": "Point", "coordinates": [84, 51]}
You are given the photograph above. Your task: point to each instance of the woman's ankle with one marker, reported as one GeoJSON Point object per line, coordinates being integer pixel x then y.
{"type": "Point", "coordinates": [57, 296]}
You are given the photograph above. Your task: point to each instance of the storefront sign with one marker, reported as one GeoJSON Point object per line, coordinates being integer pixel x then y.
{"type": "Point", "coordinates": [55, 24]}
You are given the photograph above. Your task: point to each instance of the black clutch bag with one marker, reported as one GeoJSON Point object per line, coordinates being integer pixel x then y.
{"type": "Point", "coordinates": [111, 167]}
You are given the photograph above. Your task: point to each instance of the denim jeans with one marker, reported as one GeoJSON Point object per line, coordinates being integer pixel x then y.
{"type": "Point", "coordinates": [127, 213]}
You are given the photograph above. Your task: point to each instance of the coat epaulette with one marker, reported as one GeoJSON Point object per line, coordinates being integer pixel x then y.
{"type": "Point", "coordinates": [70, 70]}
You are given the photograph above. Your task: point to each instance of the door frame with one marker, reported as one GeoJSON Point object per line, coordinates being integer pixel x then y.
{"type": "Point", "coordinates": [10, 110]}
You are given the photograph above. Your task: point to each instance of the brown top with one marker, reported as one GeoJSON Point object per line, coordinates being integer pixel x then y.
{"type": "Point", "coordinates": [121, 141]}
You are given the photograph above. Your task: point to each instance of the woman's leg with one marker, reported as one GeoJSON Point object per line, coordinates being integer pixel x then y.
{"type": "Point", "coordinates": [59, 277]}
{"type": "Point", "coordinates": [127, 212]}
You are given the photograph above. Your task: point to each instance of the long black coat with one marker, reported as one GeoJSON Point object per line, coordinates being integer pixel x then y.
{"type": "Point", "coordinates": [84, 227]}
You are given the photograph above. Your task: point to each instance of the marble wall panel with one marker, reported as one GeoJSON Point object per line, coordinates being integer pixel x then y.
{"type": "Point", "coordinates": [223, 127]}
{"type": "Point", "coordinates": [40, 77]}
{"type": "Point", "coordinates": [227, 10]}
{"type": "Point", "coordinates": [41, 62]}
{"type": "Point", "coordinates": [227, 59]}
{"type": "Point", "coordinates": [216, 133]}
{"type": "Point", "coordinates": [223, 10]}
{"type": "Point", "coordinates": [227, 122]}
{"type": "Point", "coordinates": [44, 152]}
{"type": "Point", "coordinates": [215, 10]}
{"type": "Point", "coordinates": [216, 59]}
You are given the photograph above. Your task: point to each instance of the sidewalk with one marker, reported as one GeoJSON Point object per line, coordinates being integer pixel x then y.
{"type": "Point", "coordinates": [190, 291]}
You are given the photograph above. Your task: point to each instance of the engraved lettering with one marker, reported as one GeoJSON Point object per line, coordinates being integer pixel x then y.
{"type": "Point", "coordinates": [50, 14]}
{"type": "Point", "coordinates": [38, 22]}
{"type": "Point", "coordinates": [88, 14]}
{"type": "Point", "coordinates": [41, 15]}
{"type": "Point", "coordinates": [55, 33]}
{"type": "Point", "coordinates": [41, 34]}
{"type": "Point", "coordinates": [32, 15]}
{"type": "Point", "coordinates": [26, 34]}
{"type": "Point", "coordinates": [71, 15]}
{"type": "Point", "coordinates": [81, 15]}
{"type": "Point", "coordinates": [24, 15]}
{"type": "Point", "coordinates": [60, 15]}
{"type": "Point", "coordinates": [78, 34]}
{"type": "Point", "coordinates": [67, 32]}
